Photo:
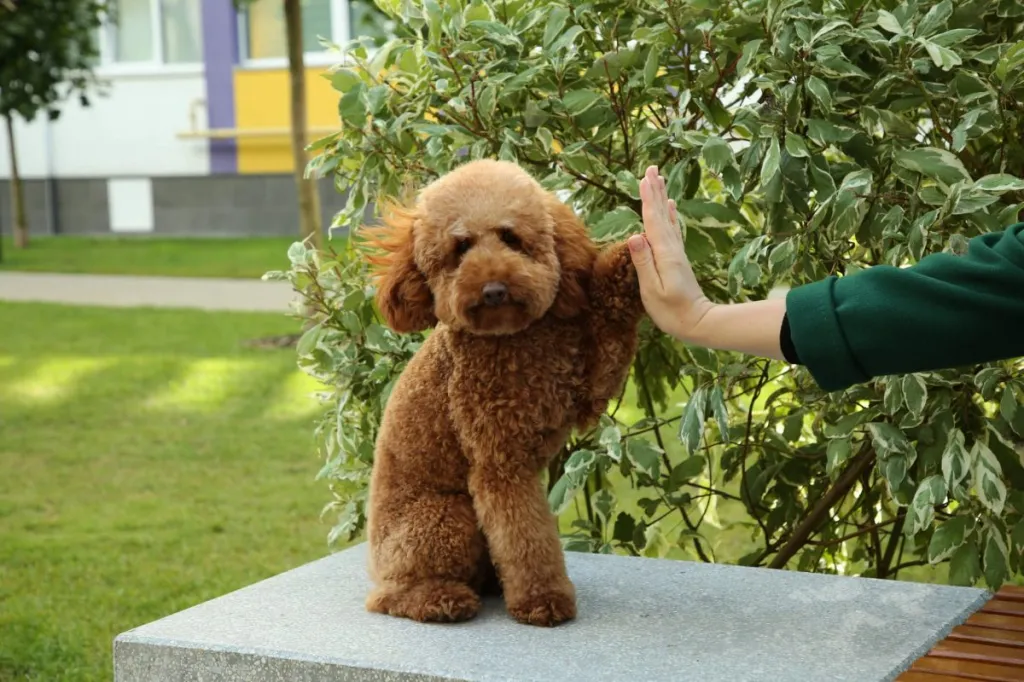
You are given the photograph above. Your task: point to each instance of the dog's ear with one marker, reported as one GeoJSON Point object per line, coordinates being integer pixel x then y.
{"type": "Point", "coordinates": [403, 296]}
{"type": "Point", "coordinates": [576, 254]}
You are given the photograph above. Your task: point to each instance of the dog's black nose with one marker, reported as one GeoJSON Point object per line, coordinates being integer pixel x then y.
{"type": "Point", "coordinates": [495, 293]}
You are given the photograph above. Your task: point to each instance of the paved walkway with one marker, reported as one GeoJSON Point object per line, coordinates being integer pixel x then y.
{"type": "Point", "coordinates": [159, 292]}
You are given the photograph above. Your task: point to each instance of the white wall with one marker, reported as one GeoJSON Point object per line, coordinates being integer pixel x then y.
{"type": "Point", "coordinates": [129, 132]}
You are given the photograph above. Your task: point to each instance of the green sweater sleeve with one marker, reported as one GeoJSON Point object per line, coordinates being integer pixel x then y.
{"type": "Point", "coordinates": [946, 311]}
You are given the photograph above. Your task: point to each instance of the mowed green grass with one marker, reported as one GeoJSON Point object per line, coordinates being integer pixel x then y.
{"type": "Point", "coordinates": [149, 462]}
{"type": "Point", "coordinates": [247, 257]}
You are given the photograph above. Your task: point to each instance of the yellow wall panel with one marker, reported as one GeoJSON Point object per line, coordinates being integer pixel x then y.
{"type": "Point", "coordinates": [262, 101]}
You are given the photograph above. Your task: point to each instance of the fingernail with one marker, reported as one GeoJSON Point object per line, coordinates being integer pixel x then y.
{"type": "Point", "coordinates": [637, 243]}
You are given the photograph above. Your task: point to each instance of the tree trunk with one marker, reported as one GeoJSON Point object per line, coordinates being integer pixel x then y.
{"type": "Point", "coordinates": [309, 200]}
{"type": "Point", "coordinates": [17, 192]}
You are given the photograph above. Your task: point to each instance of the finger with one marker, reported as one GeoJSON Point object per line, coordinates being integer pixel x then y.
{"type": "Point", "coordinates": [673, 216]}
{"type": "Point", "coordinates": [657, 223]}
{"type": "Point", "coordinates": [643, 260]}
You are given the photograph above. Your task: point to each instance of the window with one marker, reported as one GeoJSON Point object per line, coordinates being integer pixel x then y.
{"type": "Point", "coordinates": [182, 31]}
{"type": "Point", "coordinates": [153, 32]}
{"type": "Point", "coordinates": [263, 35]}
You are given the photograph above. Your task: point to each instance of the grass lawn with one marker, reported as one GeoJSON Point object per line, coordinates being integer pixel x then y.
{"type": "Point", "coordinates": [247, 257]}
{"type": "Point", "coordinates": [150, 462]}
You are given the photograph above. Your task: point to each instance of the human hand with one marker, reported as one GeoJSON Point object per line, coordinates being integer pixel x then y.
{"type": "Point", "coordinates": [668, 287]}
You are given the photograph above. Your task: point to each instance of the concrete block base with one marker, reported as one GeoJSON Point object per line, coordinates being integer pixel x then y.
{"type": "Point", "coordinates": [639, 619]}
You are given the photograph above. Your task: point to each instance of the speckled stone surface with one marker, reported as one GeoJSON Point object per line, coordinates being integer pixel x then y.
{"type": "Point", "coordinates": [639, 619]}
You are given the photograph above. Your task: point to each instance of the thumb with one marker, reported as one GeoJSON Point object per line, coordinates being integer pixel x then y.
{"type": "Point", "coordinates": [643, 260]}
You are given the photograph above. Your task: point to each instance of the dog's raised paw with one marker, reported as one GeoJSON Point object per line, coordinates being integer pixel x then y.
{"type": "Point", "coordinates": [545, 610]}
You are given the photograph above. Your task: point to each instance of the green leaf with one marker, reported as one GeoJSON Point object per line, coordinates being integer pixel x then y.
{"type": "Point", "coordinates": [645, 456]}
{"type": "Point", "coordinates": [344, 80]}
{"type": "Point", "coordinates": [772, 160]}
{"type": "Point", "coordinates": [819, 90]}
{"type": "Point", "coordinates": [655, 544]}
{"type": "Point", "coordinates": [796, 147]}
{"type": "Point", "coordinates": [561, 496]}
{"type": "Point", "coordinates": [947, 538]}
{"type": "Point", "coordinates": [935, 19]}
{"type": "Point", "coordinates": [965, 566]}
{"type": "Point", "coordinates": [782, 258]}
{"type": "Point", "coordinates": [915, 393]}
{"type": "Point", "coordinates": [651, 66]}
{"type": "Point", "coordinates": [580, 465]}
{"type": "Point", "coordinates": [892, 399]}
{"type": "Point", "coordinates": [957, 35]}
{"type": "Point", "coordinates": [1017, 537]}
{"type": "Point", "coordinates": [955, 460]}
{"type": "Point", "coordinates": [932, 162]}
{"type": "Point", "coordinates": [567, 39]}
{"type": "Point", "coordinates": [299, 254]}
{"type": "Point", "coordinates": [478, 11]}
{"type": "Point", "coordinates": [846, 425]}
{"type": "Point", "coordinates": [492, 30]}
{"type": "Point", "coordinates": [352, 106]}
{"type": "Point", "coordinates": [689, 468]}
{"type": "Point", "coordinates": [888, 440]}
{"type": "Point", "coordinates": [603, 504]}
{"type": "Point", "coordinates": [943, 57]}
{"type": "Point", "coordinates": [718, 409]}
{"type": "Point", "coordinates": [931, 492]}
{"type": "Point", "coordinates": [1008, 405]}
{"type": "Point", "coordinates": [895, 470]}
{"type": "Point", "coordinates": [890, 23]}
{"type": "Point", "coordinates": [625, 527]}
{"type": "Point", "coordinates": [717, 154]}
{"type": "Point", "coordinates": [709, 213]}
{"type": "Point", "coordinates": [996, 560]}
{"type": "Point", "coordinates": [692, 428]}
{"type": "Point", "coordinates": [1000, 184]}
{"type": "Point", "coordinates": [749, 51]}
{"type": "Point", "coordinates": [825, 133]}
{"type": "Point", "coordinates": [988, 478]}
{"type": "Point", "coordinates": [616, 223]}
{"type": "Point", "coordinates": [556, 22]}
{"type": "Point", "coordinates": [578, 101]}
{"type": "Point", "coordinates": [836, 455]}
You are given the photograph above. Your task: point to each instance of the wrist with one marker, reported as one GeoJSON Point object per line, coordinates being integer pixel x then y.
{"type": "Point", "coordinates": [697, 326]}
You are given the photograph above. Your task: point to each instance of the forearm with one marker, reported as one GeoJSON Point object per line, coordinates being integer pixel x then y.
{"type": "Point", "coordinates": [751, 328]}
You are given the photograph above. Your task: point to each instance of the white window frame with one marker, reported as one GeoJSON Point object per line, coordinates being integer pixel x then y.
{"type": "Point", "coordinates": [108, 66]}
{"type": "Point", "coordinates": [340, 31]}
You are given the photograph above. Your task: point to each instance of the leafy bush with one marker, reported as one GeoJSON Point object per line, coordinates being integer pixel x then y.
{"type": "Point", "coordinates": [801, 139]}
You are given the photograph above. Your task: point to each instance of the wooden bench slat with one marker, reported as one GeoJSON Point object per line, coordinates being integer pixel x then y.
{"type": "Point", "coordinates": [1011, 593]}
{"type": "Point", "coordinates": [997, 621]}
{"type": "Point", "coordinates": [1008, 637]}
{"type": "Point", "coordinates": [978, 652]}
{"type": "Point", "coordinates": [929, 676]}
{"type": "Point", "coordinates": [993, 671]}
{"type": "Point", "coordinates": [1004, 607]}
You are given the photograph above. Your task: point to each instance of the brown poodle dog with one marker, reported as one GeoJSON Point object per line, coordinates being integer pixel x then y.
{"type": "Point", "coordinates": [535, 331]}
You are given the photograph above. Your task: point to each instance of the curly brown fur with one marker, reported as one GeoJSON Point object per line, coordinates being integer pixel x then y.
{"type": "Point", "coordinates": [493, 393]}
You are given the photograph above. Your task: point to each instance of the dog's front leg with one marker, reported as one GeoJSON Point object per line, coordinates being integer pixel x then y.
{"type": "Point", "coordinates": [615, 312]}
{"type": "Point", "coordinates": [523, 537]}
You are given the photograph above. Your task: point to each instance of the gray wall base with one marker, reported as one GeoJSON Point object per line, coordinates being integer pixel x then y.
{"type": "Point", "coordinates": [639, 619]}
{"type": "Point", "coordinates": [208, 206]}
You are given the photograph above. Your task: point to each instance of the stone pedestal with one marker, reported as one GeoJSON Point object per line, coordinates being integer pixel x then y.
{"type": "Point", "coordinates": [639, 619]}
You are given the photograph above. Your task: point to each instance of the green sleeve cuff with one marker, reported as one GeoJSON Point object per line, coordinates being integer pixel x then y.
{"type": "Point", "coordinates": [819, 338]}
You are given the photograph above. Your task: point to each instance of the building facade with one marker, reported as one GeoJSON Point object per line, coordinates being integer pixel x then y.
{"type": "Point", "coordinates": [189, 134]}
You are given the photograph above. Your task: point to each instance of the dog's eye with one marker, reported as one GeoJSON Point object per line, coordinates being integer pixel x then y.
{"type": "Point", "coordinates": [510, 238]}
{"type": "Point", "coordinates": [461, 247]}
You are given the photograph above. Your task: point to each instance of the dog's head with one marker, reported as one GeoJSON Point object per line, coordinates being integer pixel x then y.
{"type": "Point", "coordinates": [486, 250]}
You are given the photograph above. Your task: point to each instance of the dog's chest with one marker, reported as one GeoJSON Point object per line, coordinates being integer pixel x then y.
{"type": "Point", "coordinates": [525, 381]}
